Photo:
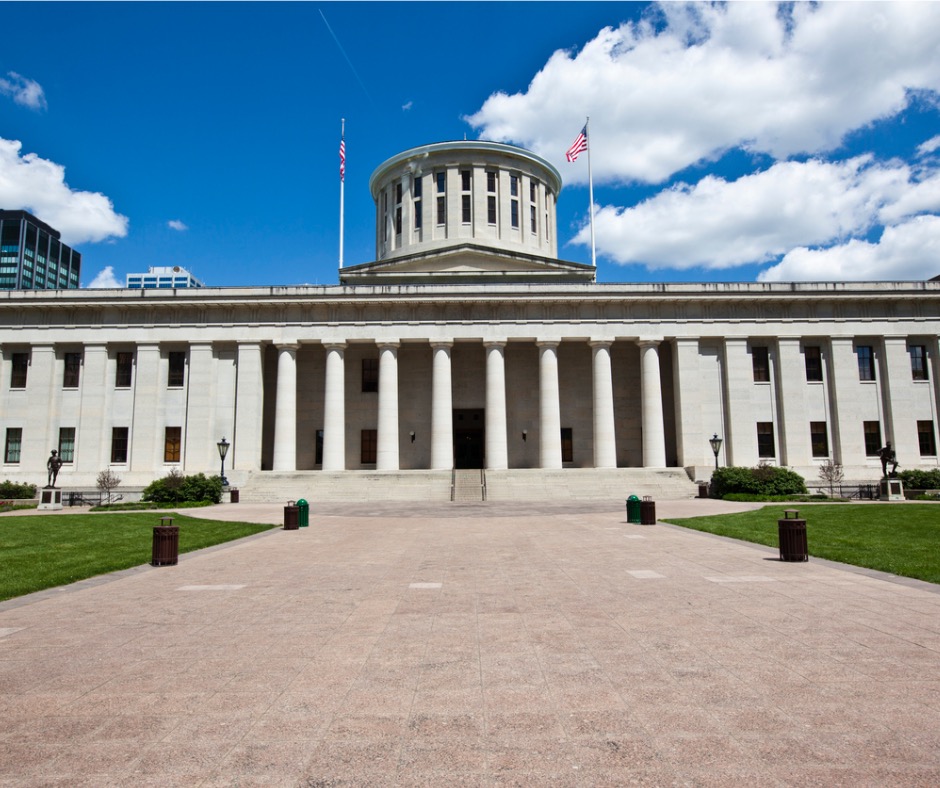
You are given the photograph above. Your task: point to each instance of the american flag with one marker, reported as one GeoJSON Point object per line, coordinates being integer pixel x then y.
{"type": "Point", "coordinates": [342, 159]}
{"type": "Point", "coordinates": [578, 146]}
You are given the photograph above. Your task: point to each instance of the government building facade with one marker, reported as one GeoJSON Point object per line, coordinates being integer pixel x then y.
{"type": "Point", "coordinates": [467, 345]}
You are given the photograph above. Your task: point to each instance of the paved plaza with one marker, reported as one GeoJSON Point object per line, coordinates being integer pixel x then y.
{"type": "Point", "coordinates": [478, 645]}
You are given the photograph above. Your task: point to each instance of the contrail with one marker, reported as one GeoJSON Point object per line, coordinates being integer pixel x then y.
{"type": "Point", "coordinates": [351, 66]}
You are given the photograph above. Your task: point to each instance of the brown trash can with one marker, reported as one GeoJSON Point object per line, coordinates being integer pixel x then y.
{"type": "Point", "coordinates": [291, 516]}
{"type": "Point", "coordinates": [166, 543]}
{"type": "Point", "coordinates": [647, 511]}
{"type": "Point", "coordinates": [233, 495]}
{"type": "Point", "coordinates": [791, 534]}
{"type": "Point", "coordinates": [703, 490]}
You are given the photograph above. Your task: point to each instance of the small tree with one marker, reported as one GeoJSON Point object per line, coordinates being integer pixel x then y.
{"type": "Point", "coordinates": [832, 473]}
{"type": "Point", "coordinates": [107, 480]}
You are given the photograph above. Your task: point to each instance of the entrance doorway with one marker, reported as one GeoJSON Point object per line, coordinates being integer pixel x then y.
{"type": "Point", "coordinates": [469, 443]}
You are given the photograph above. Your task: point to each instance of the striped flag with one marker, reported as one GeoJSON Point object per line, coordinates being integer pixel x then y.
{"type": "Point", "coordinates": [342, 159]}
{"type": "Point", "coordinates": [578, 146]}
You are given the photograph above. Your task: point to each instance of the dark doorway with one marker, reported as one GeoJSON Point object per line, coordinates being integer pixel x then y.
{"type": "Point", "coordinates": [468, 438]}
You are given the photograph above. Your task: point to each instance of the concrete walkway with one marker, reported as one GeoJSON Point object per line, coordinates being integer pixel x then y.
{"type": "Point", "coordinates": [450, 645]}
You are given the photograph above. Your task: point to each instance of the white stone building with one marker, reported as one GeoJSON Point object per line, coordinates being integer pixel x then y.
{"type": "Point", "coordinates": [467, 344]}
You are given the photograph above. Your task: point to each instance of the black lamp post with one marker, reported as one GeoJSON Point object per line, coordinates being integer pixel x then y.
{"type": "Point", "coordinates": [223, 450]}
{"type": "Point", "coordinates": [715, 443]}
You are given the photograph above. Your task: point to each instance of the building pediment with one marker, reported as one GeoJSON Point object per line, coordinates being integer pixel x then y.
{"type": "Point", "coordinates": [466, 263]}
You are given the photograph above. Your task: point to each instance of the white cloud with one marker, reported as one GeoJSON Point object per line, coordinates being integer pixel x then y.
{"type": "Point", "coordinates": [929, 146]}
{"type": "Point", "coordinates": [772, 79]}
{"type": "Point", "coordinates": [908, 251]}
{"type": "Point", "coordinates": [38, 185]}
{"type": "Point", "coordinates": [719, 224]}
{"type": "Point", "coordinates": [176, 224]}
{"type": "Point", "coordinates": [26, 92]}
{"type": "Point", "coordinates": [105, 279]}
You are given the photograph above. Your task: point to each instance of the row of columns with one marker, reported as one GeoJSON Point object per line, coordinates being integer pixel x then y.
{"type": "Point", "coordinates": [496, 429]}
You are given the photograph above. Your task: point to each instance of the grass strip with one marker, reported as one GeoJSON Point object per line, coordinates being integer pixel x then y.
{"type": "Point", "coordinates": [39, 552]}
{"type": "Point", "coordinates": [899, 538]}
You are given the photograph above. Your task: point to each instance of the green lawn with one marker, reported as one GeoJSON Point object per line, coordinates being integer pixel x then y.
{"type": "Point", "coordinates": [43, 551]}
{"type": "Point", "coordinates": [900, 538]}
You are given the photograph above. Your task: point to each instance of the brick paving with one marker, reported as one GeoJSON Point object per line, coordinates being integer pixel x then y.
{"type": "Point", "coordinates": [478, 645]}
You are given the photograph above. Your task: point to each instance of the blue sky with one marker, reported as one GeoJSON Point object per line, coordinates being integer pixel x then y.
{"type": "Point", "coordinates": [738, 142]}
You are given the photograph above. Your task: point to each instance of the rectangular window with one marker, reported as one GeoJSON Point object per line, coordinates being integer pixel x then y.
{"type": "Point", "coordinates": [171, 444]}
{"type": "Point", "coordinates": [73, 366]}
{"type": "Point", "coordinates": [124, 371]}
{"type": "Point", "coordinates": [441, 211]}
{"type": "Point", "coordinates": [465, 179]}
{"type": "Point", "coordinates": [760, 361]}
{"type": "Point", "coordinates": [466, 214]}
{"type": "Point", "coordinates": [416, 190]}
{"type": "Point", "coordinates": [370, 374]}
{"type": "Point", "coordinates": [491, 182]}
{"type": "Point", "coordinates": [567, 444]}
{"type": "Point", "coordinates": [491, 209]}
{"type": "Point", "coordinates": [866, 362]}
{"type": "Point", "coordinates": [926, 439]}
{"type": "Point", "coordinates": [466, 202]}
{"type": "Point", "coordinates": [441, 178]}
{"type": "Point", "coordinates": [67, 444]}
{"type": "Point", "coordinates": [318, 459]}
{"type": "Point", "coordinates": [533, 223]}
{"type": "Point", "coordinates": [514, 213]}
{"type": "Point", "coordinates": [14, 443]}
{"type": "Point", "coordinates": [765, 440]}
{"type": "Point", "coordinates": [918, 362]}
{"type": "Point", "coordinates": [369, 443]}
{"type": "Point", "coordinates": [177, 369]}
{"type": "Point", "coordinates": [20, 368]}
{"type": "Point", "coordinates": [812, 356]}
{"type": "Point", "coordinates": [819, 439]}
{"type": "Point", "coordinates": [872, 438]}
{"type": "Point", "coordinates": [119, 444]}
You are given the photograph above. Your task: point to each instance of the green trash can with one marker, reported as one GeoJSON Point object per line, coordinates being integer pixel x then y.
{"type": "Point", "coordinates": [304, 512]}
{"type": "Point", "coordinates": [633, 509]}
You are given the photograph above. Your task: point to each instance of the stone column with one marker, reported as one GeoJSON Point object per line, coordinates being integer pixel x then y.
{"type": "Point", "coordinates": [334, 408]}
{"type": "Point", "coordinates": [285, 409]}
{"type": "Point", "coordinates": [148, 426]}
{"type": "Point", "coordinates": [442, 408]}
{"type": "Point", "coordinates": [245, 453]}
{"type": "Point", "coordinates": [200, 453]}
{"type": "Point", "coordinates": [790, 391]}
{"type": "Point", "coordinates": [848, 434]}
{"type": "Point", "coordinates": [43, 385]}
{"type": "Point", "coordinates": [549, 406]}
{"type": "Point", "coordinates": [740, 444]}
{"type": "Point", "coordinates": [93, 435]}
{"type": "Point", "coordinates": [651, 405]}
{"type": "Point", "coordinates": [605, 441]}
{"type": "Point", "coordinates": [898, 403]}
{"type": "Point", "coordinates": [497, 455]}
{"type": "Point", "coordinates": [386, 456]}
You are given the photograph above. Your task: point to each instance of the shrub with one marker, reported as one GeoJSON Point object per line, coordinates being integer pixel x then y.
{"type": "Point", "coordinates": [762, 480]}
{"type": "Point", "coordinates": [10, 489]}
{"type": "Point", "coordinates": [921, 480]}
{"type": "Point", "coordinates": [176, 488]}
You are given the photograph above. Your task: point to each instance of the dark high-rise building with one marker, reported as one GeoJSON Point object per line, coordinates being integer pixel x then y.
{"type": "Point", "coordinates": [32, 256]}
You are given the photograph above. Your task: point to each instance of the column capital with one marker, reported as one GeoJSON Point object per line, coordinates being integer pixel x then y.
{"type": "Point", "coordinates": [384, 343]}
{"type": "Point", "coordinates": [553, 342]}
{"type": "Point", "coordinates": [649, 341]}
{"type": "Point", "coordinates": [488, 343]}
{"type": "Point", "coordinates": [602, 343]}
{"type": "Point", "coordinates": [287, 344]}
{"type": "Point", "coordinates": [334, 345]}
{"type": "Point", "coordinates": [445, 344]}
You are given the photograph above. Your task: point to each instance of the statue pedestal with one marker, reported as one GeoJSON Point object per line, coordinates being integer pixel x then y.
{"type": "Point", "coordinates": [892, 490]}
{"type": "Point", "coordinates": [51, 498]}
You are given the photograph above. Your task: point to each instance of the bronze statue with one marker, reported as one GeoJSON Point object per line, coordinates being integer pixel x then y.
{"type": "Point", "coordinates": [888, 456]}
{"type": "Point", "coordinates": [52, 466]}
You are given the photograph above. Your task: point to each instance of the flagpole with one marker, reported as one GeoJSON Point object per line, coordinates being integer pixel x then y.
{"type": "Point", "coordinates": [342, 187]}
{"type": "Point", "coordinates": [587, 125]}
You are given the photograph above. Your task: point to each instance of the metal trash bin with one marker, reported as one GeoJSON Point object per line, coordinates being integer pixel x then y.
{"type": "Point", "coordinates": [304, 507]}
{"type": "Point", "coordinates": [791, 534]}
{"type": "Point", "coordinates": [647, 511]}
{"type": "Point", "coordinates": [703, 489]}
{"type": "Point", "coordinates": [291, 516]}
{"type": "Point", "coordinates": [233, 495]}
{"type": "Point", "coordinates": [633, 509]}
{"type": "Point", "coordinates": [166, 543]}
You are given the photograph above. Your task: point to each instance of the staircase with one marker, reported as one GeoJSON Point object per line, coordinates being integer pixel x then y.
{"type": "Point", "coordinates": [469, 486]}
{"type": "Point", "coordinates": [529, 484]}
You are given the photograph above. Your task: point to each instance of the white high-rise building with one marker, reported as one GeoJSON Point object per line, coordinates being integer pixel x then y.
{"type": "Point", "coordinates": [162, 277]}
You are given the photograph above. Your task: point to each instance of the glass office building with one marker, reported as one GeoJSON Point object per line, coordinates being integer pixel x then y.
{"type": "Point", "coordinates": [32, 256]}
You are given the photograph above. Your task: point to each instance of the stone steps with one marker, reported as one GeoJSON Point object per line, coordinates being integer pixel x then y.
{"type": "Point", "coordinates": [507, 485]}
